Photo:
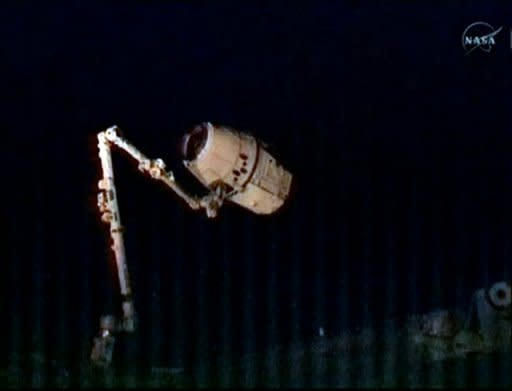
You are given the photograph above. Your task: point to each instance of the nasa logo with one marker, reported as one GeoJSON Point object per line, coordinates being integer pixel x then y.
{"type": "Point", "coordinates": [479, 35]}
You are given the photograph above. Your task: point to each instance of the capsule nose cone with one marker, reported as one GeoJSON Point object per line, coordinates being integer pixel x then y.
{"type": "Point", "coordinates": [193, 142]}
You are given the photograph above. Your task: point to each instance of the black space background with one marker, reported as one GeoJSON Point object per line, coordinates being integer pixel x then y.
{"type": "Point", "coordinates": [399, 143]}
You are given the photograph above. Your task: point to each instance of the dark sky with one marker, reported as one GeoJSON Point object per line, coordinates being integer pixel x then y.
{"type": "Point", "coordinates": [399, 143]}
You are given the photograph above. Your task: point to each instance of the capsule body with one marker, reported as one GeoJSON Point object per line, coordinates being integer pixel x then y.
{"type": "Point", "coordinates": [251, 175]}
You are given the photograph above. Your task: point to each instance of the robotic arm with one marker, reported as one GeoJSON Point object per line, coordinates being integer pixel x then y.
{"type": "Point", "coordinates": [230, 164]}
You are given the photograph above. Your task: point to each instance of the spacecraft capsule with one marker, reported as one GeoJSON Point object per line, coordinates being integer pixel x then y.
{"type": "Point", "coordinates": [252, 177]}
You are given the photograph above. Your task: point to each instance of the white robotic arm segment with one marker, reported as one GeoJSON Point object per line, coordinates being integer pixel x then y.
{"type": "Point", "coordinates": [109, 208]}
{"type": "Point", "coordinates": [107, 203]}
{"type": "Point", "coordinates": [155, 168]}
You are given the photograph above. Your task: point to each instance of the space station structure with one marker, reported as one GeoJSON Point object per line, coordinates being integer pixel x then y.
{"type": "Point", "coordinates": [485, 328]}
